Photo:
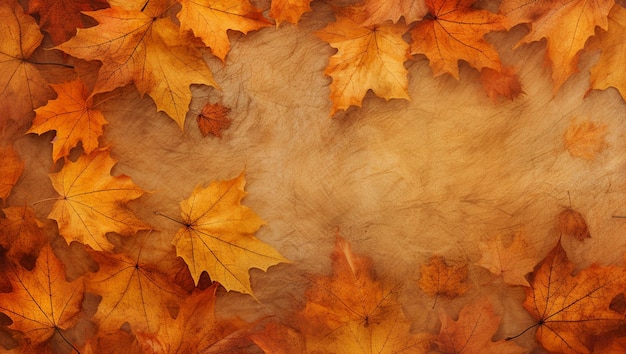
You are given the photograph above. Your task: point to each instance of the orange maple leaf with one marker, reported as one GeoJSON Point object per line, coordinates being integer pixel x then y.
{"type": "Point", "coordinates": [92, 201]}
{"type": "Point", "coordinates": [22, 88]}
{"type": "Point", "coordinates": [21, 233]}
{"type": "Point", "coordinates": [369, 57]}
{"type": "Point", "coordinates": [211, 19]}
{"type": "Point", "coordinates": [453, 31]}
{"type": "Point", "coordinates": [197, 329]}
{"type": "Point", "coordinates": [213, 119]}
{"type": "Point", "coordinates": [116, 342]}
{"type": "Point", "coordinates": [289, 10]}
{"type": "Point", "coordinates": [73, 118]}
{"type": "Point", "coordinates": [379, 11]}
{"type": "Point", "coordinates": [569, 309]}
{"type": "Point", "coordinates": [12, 168]}
{"type": "Point", "coordinates": [276, 338]}
{"type": "Point", "coordinates": [566, 25]}
{"type": "Point", "coordinates": [218, 236]}
{"type": "Point", "coordinates": [61, 18]}
{"type": "Point", "coordinates": [585, 139]}
{"type": "Point", "coordinates": [132, 291]}
{"type": "Point", "coordinates": [609, 70]}
{"type": "Point", "coordinates": [472, 332]}
{"type": "Point", "coordinates": [512, 262]}
{"type": "Point", "coordinates": [145, 49]}
{"type": "Point", "coordinates": [42, 301]}
{"type": "Point", "coordinates": [439, 278]}
{"type": "Point", "coordinates": [505, 83]}
{"type": "Point", "coordinates": [352, 312]}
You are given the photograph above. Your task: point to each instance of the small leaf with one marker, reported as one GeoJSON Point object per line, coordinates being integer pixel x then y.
{"type": "Point", "coordinates": [585, 140]}
{"type": "Point", "coordinates": [439, 278]}
{"type": "Point", "coordinates": [213, 119]}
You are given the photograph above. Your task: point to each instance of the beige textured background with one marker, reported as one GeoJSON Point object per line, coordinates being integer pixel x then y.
{"type": "Point", "coordinates": [402, 180]}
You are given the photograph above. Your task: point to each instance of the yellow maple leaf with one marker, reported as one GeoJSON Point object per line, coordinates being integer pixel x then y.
{"type": "Point", "coordinates": [289, 10]}
{"type": "Point", "coordinates": [218, 236]}
{"type": "Point", "coordinates": [566, 25]}
{"type": "Point", "coordinates": [92, 201]}
{"type": "Point", "coordinates": [73, 118]}
{"type": "Point", "coordinates": [211, 19]}
{"type": "Point", "coordinates": [144, 49]}
{"type": "Point", "coordinates": [369, 57]}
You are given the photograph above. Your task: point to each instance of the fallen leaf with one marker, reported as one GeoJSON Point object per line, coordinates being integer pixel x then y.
{"type": "Point", "coordinates": [92, 202]}
{"type": "Point", "coordinates": [353, 312]}
{"type": "Point", "coordinates": [379, 11]}
{"type": "Point", "coordinates": [504, 83]}
{"type": "Point", "coordinates": [566, 25]}
{"type": "Point", "coordinates": [22, 88]}
{"type": "Point", "coordinates": [197, 329]}
{"type": "Point", "coordinates": [144, 49]}
{"type": "Point", "coordinates": [212, 19]}
{"type": "Point", "coordinates": [61, 18]}
{"type": "Point", "coordinates": [571, 223]}
{"type": "Point", "coordinates": [218, 236]}
{"type": "Point", "coordinates": [472, 332]}
{"type": "Point", "coordinates": [453, 31]}
{"type": "Point", "coordinates": [367, 58]}
{"type": "Point", "coordinates": [439, 278]}
{"type": "Point", "coordinates": [132, 291]}
{"type": "Point", "coordinates": [609, 70]}
{"type": "Point", "coordinates": [116, 342]}
{"type": "Point", "coordinates": [21, 233]}
{"type": "Point", "coordinates": [213, 119]}
{"type": "Point", "coordinates": [42, 301]}
{"type": "Point", "coordinates": [585, 140]}
{"type": "Point", "coordinates": [73, 118]}
{"type": "Point", "coordinates": [12, 168]}
{"type": "Point", "coordinates": [289, 10]}
{"type": "Point", "coordinates": [512, 262]}
{"type": "Point", "coordinates": [569, 309]}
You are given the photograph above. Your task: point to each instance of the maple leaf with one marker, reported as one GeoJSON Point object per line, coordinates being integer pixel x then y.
{"type": "Point", "coordinates": [569, 308]}
{"type": "Point", "coordinates": [453, 31]}
{"type": "Point", "coordinates": [213, 119]}
{"type": "Point", "coordinates": [585, 140]}
{"type": "Point", "coordinates": [12, 168]}
{"type": "Point", "coordinates": [289, 10]}
{"type": "Point", "coordinates": [472, 332]}
{"type": "Point", "coordinates": [60, 18]}
{"type": "Point", "coordinates": [367, 58]}
{"type": "Point", "coordinates": [142, 48]}
{"type": "Point", "coordinates": [22, 88]}
{"type": "Point", "coordinates": [211, 19]}
{"type": "Point", "coordinates": [439, 278]}
{"type": "Point", "coordinates": [73, 118]}
{"type": "Point", "coordinates": [504, 83]}
{"type": "Point", "coordinates": [512, 262]}
{"type": "Point", "coordinates": [132, 291]}
{"type": "Point", "coordinates": [218, 236]}
{"type": "Point", "coordinates": [352, 312]}
{"type": "Point", "coordinates": [379, 11]}
{"type": "Point", "coordinates": [609, 70]}
{"type": "Point", "coordinates": [92, 201]}
{"type": "Point", "coordinates": [196, 329]}
{"type": "Point", "coordinates": [42, 301]}
{"type": "Point", "coordinates": [116, 342]}
{"type": "Point", "coordinates": [566, 25]}
{"type": "Point", "coordinates": [21, 233]}
{"type": "Point", "coordinates": [572, 224]}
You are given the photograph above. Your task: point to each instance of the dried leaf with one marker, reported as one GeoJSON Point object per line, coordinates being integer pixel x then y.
{"type": "Point", "coordinates": [585, 140]}
{"type": "Point", "coordinates": [213, 119]}
{"type": "Point", "coordinates": [439, 278]}
{"type": "Point", "coordinates": [571, 223]}
{"type": "Point", "coordinates": [73, 118]}
{"type": "Point", "coordinates": [505, 83]}
{"type": "Point", "coordinates": [512, 262]}
{"type": "Point", "coordinates": [218, 236]}
{"type": "Point", "coordinates": [21, 233]}
{"type": "Point", "coordinates": [609, 70]}
{"type": "Point", "coordinates": [92, 202]}
{"type": "Point", "coordinates": [12, 168]}
{"type": "Point", "coordinates": [289, 10]}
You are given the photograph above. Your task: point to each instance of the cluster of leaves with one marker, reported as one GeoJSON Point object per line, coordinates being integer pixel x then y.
{"type": "Point", "coordinates": [157, 45]}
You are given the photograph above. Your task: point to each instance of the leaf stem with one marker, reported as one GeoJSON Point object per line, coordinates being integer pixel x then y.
{"type": "Point", "coordinates": [524, 331]}
{"type": "Point", "coordinates": [49, 63]}
{"type": "Point", "coordinates": [45, 200]}
{"type": "Point", "coordinates": [169, 217]}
